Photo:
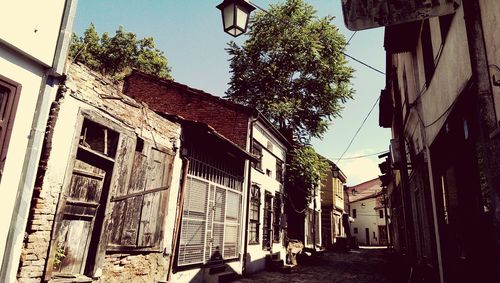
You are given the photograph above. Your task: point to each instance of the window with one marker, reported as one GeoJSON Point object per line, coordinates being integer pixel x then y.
{"type": "Point", "coordinates": [353, 213]}
{"type": "Point", "coordinates": [269, 173]}
{"type": "Point", "coordinates": [9, 96]}
{"type": "Point", "coordinates": [279, 171]}
{"type": "Point", "coordinates": [381, 213]}
{"type": "Point", "coordinates": [268, 219]}
{"type": "Point", "coordinates": [257, 151]}
{"type": "Point", "coordinates": [355, 230]}
{"type": "Point", "coordinates": [277, 217]}
{"type": "Point", "coordinates": [253, 230]}
{"type": "Point", "coordinates": [211, 217]}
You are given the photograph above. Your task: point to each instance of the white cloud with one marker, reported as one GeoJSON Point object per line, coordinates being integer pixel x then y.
{"type": "Point", "coordinates": [361, 169]}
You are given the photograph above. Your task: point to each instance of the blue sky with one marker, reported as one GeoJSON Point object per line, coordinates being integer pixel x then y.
{"type": "Point", "coordinates": [190, 33]}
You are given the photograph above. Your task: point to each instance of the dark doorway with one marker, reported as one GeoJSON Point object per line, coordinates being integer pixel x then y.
{"type": "Point", "coordinates": [367, 234]}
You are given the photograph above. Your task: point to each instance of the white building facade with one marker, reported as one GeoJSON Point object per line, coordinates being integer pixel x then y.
{"type": "Point", "coordinates": [265, 205]}
{"type": "Point", "coordinates": [33, 45]}
{"type": "Point", "coordinates": [370, 224]}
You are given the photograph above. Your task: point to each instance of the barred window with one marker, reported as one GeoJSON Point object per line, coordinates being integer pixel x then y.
{"type": "Point", "coordinates": [253, 230]}
{"type": "Point", "coordinates": [211, 219]}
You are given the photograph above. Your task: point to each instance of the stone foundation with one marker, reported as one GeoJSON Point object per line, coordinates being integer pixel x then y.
{"type": "Point", "coordinates": [117, 268]}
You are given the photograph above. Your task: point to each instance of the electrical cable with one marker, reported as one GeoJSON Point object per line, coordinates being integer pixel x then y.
{"type": "Point", "coordinates": [362, 156]}
{"type": "Point", "coordinates": [359, 129]}
{"type": "Point", "coordinates": [363, 63]}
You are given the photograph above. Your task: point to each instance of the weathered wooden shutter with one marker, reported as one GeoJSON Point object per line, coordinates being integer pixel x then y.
{"type": "Point", "coordinates": [139, 210]}
{"type": "Point", "coordinates": [119, 181]}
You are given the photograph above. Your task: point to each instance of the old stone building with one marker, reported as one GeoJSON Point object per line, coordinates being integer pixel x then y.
{"type": "Point", "coordinates": [109, 167]}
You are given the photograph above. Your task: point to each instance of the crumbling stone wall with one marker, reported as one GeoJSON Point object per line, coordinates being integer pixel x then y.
{"type": "Point", "coordinates": [148, 267]}
{"type": "Point", "coordinates": [87, 89]}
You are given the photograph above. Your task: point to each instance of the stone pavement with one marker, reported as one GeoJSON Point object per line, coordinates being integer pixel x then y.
{"type": "Point", "coordinates": [360, 266]}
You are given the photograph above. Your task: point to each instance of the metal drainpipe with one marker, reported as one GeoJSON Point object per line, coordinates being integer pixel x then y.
{"type": "Point", "coordinates": [52, 77]}
{"type": "Point", "coordinates": [249, 186]}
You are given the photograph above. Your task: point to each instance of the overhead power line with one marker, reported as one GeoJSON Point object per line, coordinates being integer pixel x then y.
{"type": "Point", "coordinates": [363, 63]}
{"type": "Point", "coordinates": [362, 156]}
{"type": "Point", "coordinates": [359, 129]}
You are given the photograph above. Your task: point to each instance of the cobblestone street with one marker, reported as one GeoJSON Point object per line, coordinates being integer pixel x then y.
{"type": "Point", "coordinates": [360, 266]}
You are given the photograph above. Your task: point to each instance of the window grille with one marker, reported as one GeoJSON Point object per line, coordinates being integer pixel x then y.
{"type": "Point", "coordinates": [216, 169]}
{"type": "Point", "coordinates": [213, 202]}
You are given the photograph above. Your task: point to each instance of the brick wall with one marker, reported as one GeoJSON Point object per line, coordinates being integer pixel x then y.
{"type": "Point", "coordinates": [226, 118]}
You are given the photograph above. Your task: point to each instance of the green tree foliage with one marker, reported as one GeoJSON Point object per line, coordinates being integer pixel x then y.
{"type": "Point", "coordinates": [292, 69]}
{"type": "Point", "coordinates": [116, 56]}
{"type": "Point", "coordinates": [305, 171]}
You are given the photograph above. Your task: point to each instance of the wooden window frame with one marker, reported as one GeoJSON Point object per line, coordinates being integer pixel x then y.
{"type": "Point", "coordinates": [267, 223]}
{"type": "Point", "coordinates": [254, 203]}
{"type": "Point", "coordinates": [14, 92]}
{"type": "Point", "coordinates": [279, 171]}
{"type": "Point", "coordinates": [257, 150]}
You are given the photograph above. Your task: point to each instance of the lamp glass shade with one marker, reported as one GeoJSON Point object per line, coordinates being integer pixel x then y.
{"type": "Point", "coordinates": [235, 16]}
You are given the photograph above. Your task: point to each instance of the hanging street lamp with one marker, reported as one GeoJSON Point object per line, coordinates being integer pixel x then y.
{"type": "Point", "coordinates": [235, 14]}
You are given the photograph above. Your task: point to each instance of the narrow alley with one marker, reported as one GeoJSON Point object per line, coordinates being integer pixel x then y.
{"type": "Point", "coordinates": [361, 265]}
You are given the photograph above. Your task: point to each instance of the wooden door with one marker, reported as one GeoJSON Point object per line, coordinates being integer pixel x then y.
{"type": "Point", "coordinates": [82, 203]}
{"type": "Point", "coordinates": [382, 235]}
{"type": "Point", "coordinates": [367, 235]}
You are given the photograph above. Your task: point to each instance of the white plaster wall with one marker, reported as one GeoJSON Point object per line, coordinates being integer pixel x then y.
{"type": "Point", "coordinates": [256, 255]}
{"type": "Point", "coordinates": [450, 77]}
{"type": "Point", "coordinates": [29, 75]}
{"type": "Point", "coordinates": [37, 25]}
{"type": "Point", "coordinates": [367, 217]}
